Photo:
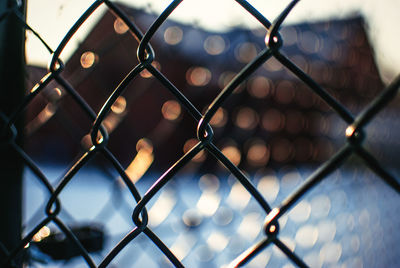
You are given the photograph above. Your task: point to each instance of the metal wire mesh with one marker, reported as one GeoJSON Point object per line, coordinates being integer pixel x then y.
{"type": "Point", "coordinates": [355, 134]}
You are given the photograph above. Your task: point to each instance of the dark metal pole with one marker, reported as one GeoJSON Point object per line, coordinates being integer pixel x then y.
{"type": "Point", "coordinates": [12, 89]}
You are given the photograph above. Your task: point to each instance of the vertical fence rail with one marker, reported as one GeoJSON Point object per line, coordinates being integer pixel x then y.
{"type": "Point", "coordinates": [12, 91]}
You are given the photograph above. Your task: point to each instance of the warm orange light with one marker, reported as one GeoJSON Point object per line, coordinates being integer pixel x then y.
{"type": "Point", "coordinates": [350, 131]}
{"type": "Point", "coordinates": [220, 118]}
{"type": "Point", "coordinates": [142, 161]}
{"type": "Point", "coordinates": [147, 74]}
{"type": "Point", "coordinates": [88, 59]}
{"type": "Point", "coordinates": [246, 118]}
{"type": "Point", "coordinates": [120, 26]}
{"type": "Point", "coordinates": [198, 76]}
{"type": "Point", "coordinates": [139, 165]}
{"type": "Point", "coordinates": [258, 153]}
{"type": "Point", "coordinates": [144, 145]}
{"type": "Point", "coordinates": [232, 153]}
{"type": "Point", "coordinates": [86, 141]}
{"type": "Point", "coordinates": [189, 144]}
{"type": "Point", "coordinates": [43, 233]}
{"type": "Point", "coordinates": [112, 121]}
{"type": "Point", "coordinates": [171, 110]}
{"type": "Point", "coordinates": [119, 105]}
{"type": "Point", "coordinates": [36, 86]}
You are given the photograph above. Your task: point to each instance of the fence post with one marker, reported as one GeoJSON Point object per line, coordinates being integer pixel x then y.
{"type": "Point", "coordinates": [12, 90]}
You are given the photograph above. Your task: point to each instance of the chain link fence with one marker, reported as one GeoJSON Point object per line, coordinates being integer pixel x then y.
{"type": "Point", "coordinates": [82, 241]}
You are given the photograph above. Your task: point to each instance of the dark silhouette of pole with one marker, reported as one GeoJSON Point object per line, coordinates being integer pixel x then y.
{"type": "Point", "coordinates": [12, 89]}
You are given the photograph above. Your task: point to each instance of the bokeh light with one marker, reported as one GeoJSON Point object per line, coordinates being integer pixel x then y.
{"type": "Point", "coordinates": [171, 110]}
{"type": "Point", "coordinates": [88, 59]}
{"type": "Point", "coordinates": [198, 76]}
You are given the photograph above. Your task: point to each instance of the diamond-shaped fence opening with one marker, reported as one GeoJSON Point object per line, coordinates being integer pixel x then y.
{"type": "Point", "coordinates": [161, 144]}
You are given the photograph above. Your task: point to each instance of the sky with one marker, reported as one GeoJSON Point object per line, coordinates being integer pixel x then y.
{"type": "Point", "coordinates": [53, 18]}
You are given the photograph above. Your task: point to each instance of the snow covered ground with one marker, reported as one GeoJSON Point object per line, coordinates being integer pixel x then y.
{"type": "Point", "coordinates": [349, 220]}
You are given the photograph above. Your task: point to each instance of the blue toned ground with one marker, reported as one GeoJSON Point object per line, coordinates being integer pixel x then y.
{"type": "Point", "coordinates": [349, 220]}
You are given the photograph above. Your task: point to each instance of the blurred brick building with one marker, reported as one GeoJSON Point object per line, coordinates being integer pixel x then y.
{"type": "Point", "coordinates": [273, 119]}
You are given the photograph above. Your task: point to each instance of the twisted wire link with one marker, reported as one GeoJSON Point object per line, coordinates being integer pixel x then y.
{"type": "Point", "coordinates": [99, 136]}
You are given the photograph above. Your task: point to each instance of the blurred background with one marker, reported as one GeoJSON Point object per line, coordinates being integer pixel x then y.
{"type": "Point", "coordinates": [273, 128]}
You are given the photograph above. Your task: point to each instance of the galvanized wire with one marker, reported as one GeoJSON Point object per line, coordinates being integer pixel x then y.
{"type": "Point", "coordinates": [355, 134]}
